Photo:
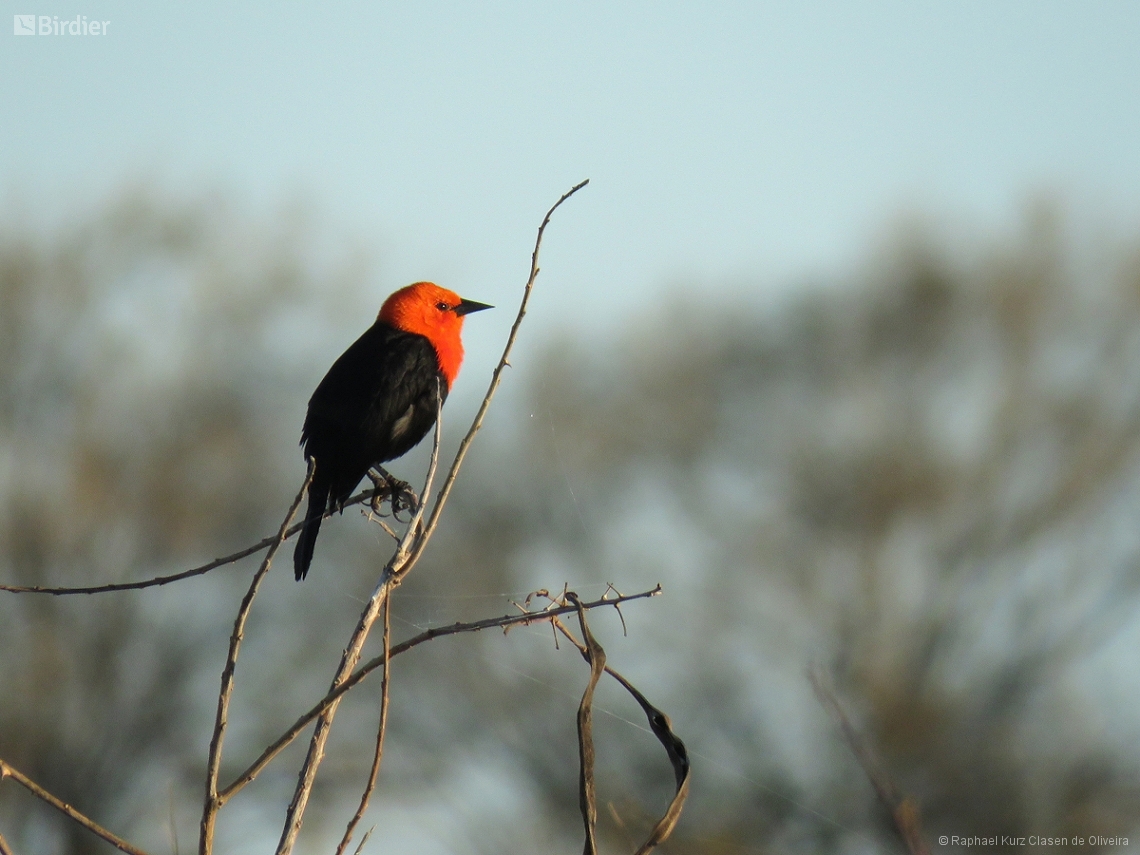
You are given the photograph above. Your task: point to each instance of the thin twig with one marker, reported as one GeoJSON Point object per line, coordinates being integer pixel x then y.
{"type": "Point", "coordinates": [902, 810]}
{"type": "Point", "coordinates": [374, 772]}
{"type": "Point", "coordinates": [213, 764]}
{"type": "Point", "coordinates": [399, 562]}
{"type": "Point", "coordinates": [587, 797]}
{"type": "Point", "coordinates": [295, 815]}
{"type": "Point", "coordinates": [373, 517]}
{"type": "Point", "coordinates": [406, 556]}
{"type": "Point", "coordinates": [5, 849]}
{"type": "Point", "coordinates": [505, 622]}
{"type": "Point", "coordinates": [504, 361]}
{"type": "Point", "coordinates": [265, 543]}
{"type": "Point", "coordinates": [364, 840]}
{"type": "Point", "coordinates": [663, 729]}
{"type": "Point", "coordinates": [6, 771]}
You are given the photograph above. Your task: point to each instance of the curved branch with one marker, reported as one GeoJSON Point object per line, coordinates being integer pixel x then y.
{"type": "Point", "coordinates": [506, 622]}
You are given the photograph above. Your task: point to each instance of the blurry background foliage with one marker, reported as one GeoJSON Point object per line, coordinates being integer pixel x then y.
{"type": "Point", "coordinates": [924, 478]}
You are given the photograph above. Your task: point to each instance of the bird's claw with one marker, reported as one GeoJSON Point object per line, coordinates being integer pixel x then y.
{"type": "Point", "coordinates": [399, 494]}
{"type": "Point", "coordinates": [403, 499]}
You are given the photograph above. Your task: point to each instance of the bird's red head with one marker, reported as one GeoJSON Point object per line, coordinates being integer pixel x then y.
{"type": "Point", "coordinates": [435, 313]}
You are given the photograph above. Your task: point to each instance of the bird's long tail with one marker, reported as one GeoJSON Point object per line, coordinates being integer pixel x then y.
{"type": "Point", "coordinates": [307, 539]}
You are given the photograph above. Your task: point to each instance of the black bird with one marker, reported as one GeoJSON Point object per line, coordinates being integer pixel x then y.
{"type": "Point", "coordinates": [379, 398]}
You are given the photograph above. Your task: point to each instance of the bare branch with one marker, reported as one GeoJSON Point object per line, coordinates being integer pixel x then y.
{"type": "Point", "coordinates": [364, 840]}
{"type": "Point", "coordinates": [389, 578]}
{"type": "Point", "coordinates": [505, 622]}
{"type": "Point", "coordinates": [265, 543]}
{"type": "Point", "coordinates": [213, 803]}
{"type": "Point", "coordinates": [410, 547]}
{"type": "Point", "coordinates": [374, 773]}
{"type": "Point", "coordinates": [406, 556]}
{"type": "Point", "coordinates": [6, 771]}
{"type": "Point", "coordinates": [663, 729]}
{"type": "Point", "coordinates": [902, 809]}
{"type": "Point", "coordinates": [504, 361]}
{"type": "Point", "coordinates": [587, 798]}
{"type": "Point", "coordinates": [399, 561]}
{"type": "Point", "coordinates": [307, 776]}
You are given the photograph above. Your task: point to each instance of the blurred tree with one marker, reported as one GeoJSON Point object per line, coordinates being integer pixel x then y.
{"type": "Point", "coordinates": [924, 478]}
{"type": "Point", "coordinates": [139, 412]}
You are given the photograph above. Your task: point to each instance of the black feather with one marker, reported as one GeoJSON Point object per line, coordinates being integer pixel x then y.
{"type": "Point", "coordinates": [375, 404]}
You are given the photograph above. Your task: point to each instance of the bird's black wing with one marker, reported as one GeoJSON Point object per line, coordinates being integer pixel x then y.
{"type": "Point", "coordinates": [375, 403]}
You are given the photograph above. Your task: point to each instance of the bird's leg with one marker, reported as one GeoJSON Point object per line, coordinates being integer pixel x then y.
{"type": "Point", "coordinates": [399, 493]}
{"type": "Point", "coordinates": [402, 497]}
{"type": "Point", "coordinates": [379, 492]}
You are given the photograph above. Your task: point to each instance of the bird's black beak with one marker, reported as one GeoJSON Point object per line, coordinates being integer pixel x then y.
{"type": "Point", "coordinates": [466, 307]}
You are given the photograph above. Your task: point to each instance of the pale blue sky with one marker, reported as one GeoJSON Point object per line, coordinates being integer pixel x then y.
{"type": "Point", "coordinates": [729, 144]}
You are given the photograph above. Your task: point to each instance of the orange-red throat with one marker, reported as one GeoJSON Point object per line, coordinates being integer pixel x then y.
{"type": "Point", "coordinates": [435, 313]}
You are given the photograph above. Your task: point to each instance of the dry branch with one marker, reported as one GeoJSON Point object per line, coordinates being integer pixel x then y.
{"type": "Point", "coordinates": [6, 771]}
{"type": "Point", "coordinates": [902, 810]}
{"type": "Point", "coordinates": [505, 623]}
{"type": "Point", "coordinates": [294, 816]}
{"type": "Point", "coordinates": [662, 728]}
{"type": "Point", "coordinates": [378, 754]}
{"type": "Point", "coordinates": [587, 796]}
{"type": "Point", "coordinates": [213, 803]}
{"type": "Point", "coordinates": [406, 556]}
{"type": "Point", "coordinates": [408, 551]}
{"type": "Point", "coordinates": [264, 543]}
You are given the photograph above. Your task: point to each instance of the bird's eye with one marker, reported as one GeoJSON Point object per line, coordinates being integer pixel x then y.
{"type": "Point", "coordinates": [443, 307]}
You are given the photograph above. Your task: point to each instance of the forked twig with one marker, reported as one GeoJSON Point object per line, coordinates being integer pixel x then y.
{"type": "Point", "coordinates": [406, 556]}
{"type": "Point", "coordinates": [213, 802]}
{"type": "Point", "coordinates": [504, 622]}
{"type": "Point", "coordinates": [389, 578]}
{"type": "Point", "coordinates": [363, 840]}
{"type": "Point", "coordinates": [374, 772]}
